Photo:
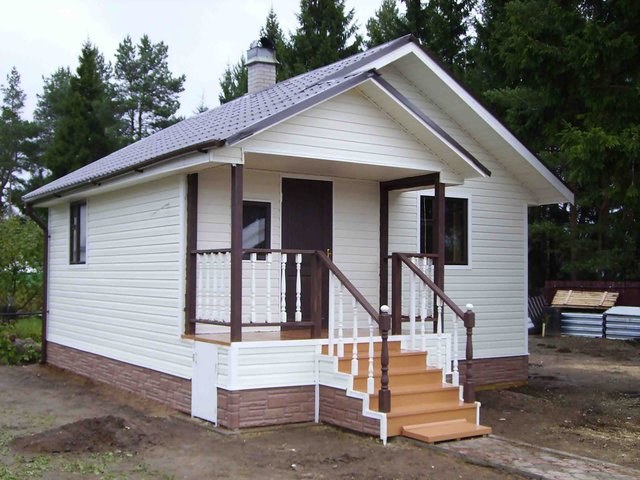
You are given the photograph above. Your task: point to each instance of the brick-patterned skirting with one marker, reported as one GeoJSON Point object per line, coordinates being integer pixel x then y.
{"type": "Point", "coordinates": [165, 388]}
{"type": "Point", "coordinates": [338, 409]}
{"type": "Point", "coordinates": [494, 371]}
{"type": "Point", "coordinates": [265, 406]}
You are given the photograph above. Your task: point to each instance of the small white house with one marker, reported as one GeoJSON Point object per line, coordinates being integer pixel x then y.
{"type": "Point", "coordinates": [228, 264]}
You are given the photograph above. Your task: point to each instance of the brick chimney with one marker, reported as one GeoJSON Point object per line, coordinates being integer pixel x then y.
{"type": "Point", "coordinates": [261, 65]}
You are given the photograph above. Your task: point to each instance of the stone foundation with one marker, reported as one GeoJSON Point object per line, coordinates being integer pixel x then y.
{"type": "Point", "coordinates": [498, 371]}
{"type": "Point", "coordinates": [336, 408]}
{"type": "Point", "coordinates": [167, 389]}
{"type": "Point", "coordinates": [265, 406]}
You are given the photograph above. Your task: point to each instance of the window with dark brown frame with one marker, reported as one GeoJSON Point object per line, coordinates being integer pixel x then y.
{"type": "Point", "coordinates": [456, 235]}
{"type": "Point", "coordinates": [78, 233]}
{"type": "Point", "coordinates": [256, 226]}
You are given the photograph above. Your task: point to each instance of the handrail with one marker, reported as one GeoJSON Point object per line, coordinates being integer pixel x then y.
{"type": "Point", "coordinates": [437, 290]}
{"type": "Point", "coordinates": [255, 250]}
{"type": "Point", "coordinates": [418, 255]}
{"type": "Point", "coordinates": [349, 286]}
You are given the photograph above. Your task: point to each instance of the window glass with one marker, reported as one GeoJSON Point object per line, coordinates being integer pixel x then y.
{"type": "Point", "coordinates": [78, 233]}
{"type": "Point", "coordinates": [455, 223]}
{"type": "Point", "coordinates": [256, 226]}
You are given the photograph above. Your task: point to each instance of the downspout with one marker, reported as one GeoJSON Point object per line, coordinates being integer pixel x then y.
{"type": "Point", "coordinates": [45, 276]}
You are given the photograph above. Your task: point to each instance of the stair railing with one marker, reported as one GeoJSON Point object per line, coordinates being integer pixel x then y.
{"type": "Point", "coordinates": [429, 290]}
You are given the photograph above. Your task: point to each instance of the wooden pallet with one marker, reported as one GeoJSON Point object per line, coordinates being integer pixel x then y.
{"type": "Point", "coordinates": [582, 299]}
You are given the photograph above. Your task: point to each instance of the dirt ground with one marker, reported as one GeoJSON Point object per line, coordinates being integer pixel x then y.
{"type": "Point", "coordinates": [583, 397]}
{"type": "Point", "coordinates": [55, 425]}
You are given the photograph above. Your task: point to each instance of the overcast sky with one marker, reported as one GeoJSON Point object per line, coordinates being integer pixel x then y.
{"type": "Point", "coordinates": [38, 36]}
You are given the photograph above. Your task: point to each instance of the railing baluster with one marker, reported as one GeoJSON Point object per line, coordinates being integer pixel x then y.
{"type": "Point", "coordinates": [214, 272]}
{"type": "Point", "coordinates": [455, 374]}
{"type": "Point", "coordinates": [340, 321]}
{"type": "Point", "coordinates": [332, 314]}
{"type": "Point", "coordinates": [469, 386]}
{"type": "Point", "coordinates": [207, 272]}
{"type": "Point", "coordinates": [283, 287]}
{"type": "Point", "coordinates": [227, 295]}
{"type": "Point", "coordinates": [441, 352]}
{"type": "Point", "coordinates": [199, 286]}
{"type": "Point", "coordinates": [354, 349]}
{"type": "Point", "coordinates": [423, 306]}
{"type": "Point", "coordinates": [253, 257]}
{"type": "Point", "coordinates": [370, 379]}
{"type": "Point", "coordinates": [298, 315]}
{"type": "Point", "coordinates": [412, 310]}
{"type": "Point", "coordinates": [269, 259]}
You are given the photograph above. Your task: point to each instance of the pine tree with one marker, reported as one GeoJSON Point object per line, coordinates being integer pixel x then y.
{"type": "Point", "coordinates": [15, 140]}
{"type": "Point", "coordinates": [272, 31]}
{"type": "Point", "coordinates": [386, 24]}
{"type": "Point", "coordinates": [147, 90]}
{"type": "Point", "coordinates": [326, 34]}
{"type": "Point", "coordinates": [88, 127]}
{"type": "Point", "coordinates": [234, 82]}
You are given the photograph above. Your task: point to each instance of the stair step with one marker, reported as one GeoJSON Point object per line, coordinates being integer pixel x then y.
{"type": "Point", "coordinates": [419, 395]}
{"type": "Point", "coordinates": [363, 348]}
{"type": "Point", "coordinates": [401, 376]}
{"type": "Point", "coordinates": [396, 360]}
{"type": "Point", "coordinates": [442, 431]}
{"type": "Point", "coordinates": [401, 415]}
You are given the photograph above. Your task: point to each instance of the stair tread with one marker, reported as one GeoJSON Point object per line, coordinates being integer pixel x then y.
{"type": "Point", "coordinates": [403, 371]}
{"type": "Point", "coordinates": [446, 430]}
{"type": "Point", "coordinates": [428, 408]}
{"type": "Point", "coordinates": [409, 389]}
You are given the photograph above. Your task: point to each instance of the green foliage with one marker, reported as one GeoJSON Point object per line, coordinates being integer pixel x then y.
{"type": "Point", "coordinates": [20, 263]}
{"type": "Point", "coordinates": [234, 82]}
{"type": "Point", "coordinates": [16, 144]}
{"type": "Point", "coordinates": [326, 34]}
{"type": "Point", "coordinates": [147, 91]}
{"type": "Point", "coordinates": [16, 345]}
{"type": "Point", "coordinates": [88, 126]}
{"type": "Point", "coordinates": [386, 24]}
{"type": "Point", "coordinates": [272, 31]}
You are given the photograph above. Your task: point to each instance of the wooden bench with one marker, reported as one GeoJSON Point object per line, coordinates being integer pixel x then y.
{"type": "Point", "coordinates": [584, 300]}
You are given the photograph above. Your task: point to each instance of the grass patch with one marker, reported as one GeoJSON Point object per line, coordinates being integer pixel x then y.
{"type": "Point", "coordinates": [29, 327]}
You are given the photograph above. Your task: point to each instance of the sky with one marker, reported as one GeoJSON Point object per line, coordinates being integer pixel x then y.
{"type": "Point", "coordinates": [38, 36]}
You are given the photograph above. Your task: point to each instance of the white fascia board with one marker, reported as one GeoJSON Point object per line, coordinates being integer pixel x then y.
{"type": "Point", "coordinates": [432, 132]}
{"type": "Point", "coordinates": [185, 163]}
{"type": "Point", "coordinates": [481, 111]}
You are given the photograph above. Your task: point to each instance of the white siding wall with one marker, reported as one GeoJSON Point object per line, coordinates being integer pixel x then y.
{"type": "Point", "coordinates": [126, 302]}
{"type": "Point", "coordinates": [495, 281]}
{"type": "Point", "coordinates": [355, 227]}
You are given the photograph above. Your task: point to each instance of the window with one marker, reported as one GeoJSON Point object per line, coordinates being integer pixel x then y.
{"type": "Point", "coordinates": [256, 226]}
{"type": "Point", "coordinates": [455, 229]}
{"type": "Point", "coordinates": [78, 233]}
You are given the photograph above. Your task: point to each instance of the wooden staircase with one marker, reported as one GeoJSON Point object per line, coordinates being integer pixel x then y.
{"type": "Point", "coordinates": [422, 406]}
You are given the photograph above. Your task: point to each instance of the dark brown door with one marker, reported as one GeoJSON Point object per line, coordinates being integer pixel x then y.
{"type": "Point", "coordinates": [307, 224]}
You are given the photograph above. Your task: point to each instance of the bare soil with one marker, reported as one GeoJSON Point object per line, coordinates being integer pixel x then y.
{"type": "Point", "coordinates": [583, 397]}
{"type": "Point", "coordinates": [55, 425]}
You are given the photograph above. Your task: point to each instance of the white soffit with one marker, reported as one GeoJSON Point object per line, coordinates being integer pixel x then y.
{"type": "Point", "coordinates": [465, 110]}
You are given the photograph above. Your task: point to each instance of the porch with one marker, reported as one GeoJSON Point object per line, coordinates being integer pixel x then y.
{"type": "Point", "coordinates": [296, 303]}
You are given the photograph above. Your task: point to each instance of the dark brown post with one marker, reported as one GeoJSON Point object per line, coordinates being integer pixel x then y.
{"type": "Point", "coordinates": [384, 245]}
{"type": "Point", "coordinates": [469, 387]}
{"type": "Point", "coordinates": [192, 244]}
{"type": "Point", "coordinates": [396, 294]}
{"type": "Point", "coordinates": [438, 241]}
{"type": "Point", "coordinates": [236, 253]}
{"type": "Point", "coordinates": [384, 394]}
{"type": "Point", "coordinates": [316, 296]}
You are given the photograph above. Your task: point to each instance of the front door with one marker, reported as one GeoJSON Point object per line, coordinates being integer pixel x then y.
{"type": "Point", "coordinates": [307, 224]}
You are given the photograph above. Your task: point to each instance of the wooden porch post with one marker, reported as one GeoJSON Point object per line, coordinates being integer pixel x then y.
{"type": "Point", "coordinates": [192, 244]}
{"type": "Point", "coordinates": [384, 245]}
{"type": "Point", "coordinates": [236, 252]}
{"type": "Point", "coordinates": [438, 240]}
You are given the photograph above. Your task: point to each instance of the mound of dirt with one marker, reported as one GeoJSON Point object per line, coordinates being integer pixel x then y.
{"type": "Point", "coordinates": [89, 435]}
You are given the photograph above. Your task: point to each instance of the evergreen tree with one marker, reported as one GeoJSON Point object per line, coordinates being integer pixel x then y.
{"type": "Point", "coordinates": [146, 89]}
{"type": "Point", "coordinates": [272, 31]}
{"type": "Point", "coordinates": [326, 34]}
{"type": "Point", "coordinates": [88, 127]}
{"type": "Point", "coordinates": [15, 140]}
{"type": "Point", "coordinates": [386, 24]}
{"type": "Point", "coordinates": [234, 82]}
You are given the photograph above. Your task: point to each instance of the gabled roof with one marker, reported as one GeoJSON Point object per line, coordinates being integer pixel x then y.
{"type": "Point", "coordinates": [252, 113]}
{"type": "Point", "coordinates": [213, 128]}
